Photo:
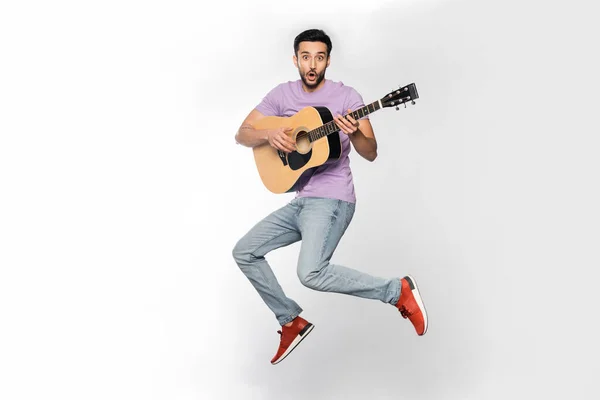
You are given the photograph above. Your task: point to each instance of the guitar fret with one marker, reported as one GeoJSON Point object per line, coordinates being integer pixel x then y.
{"type": "Point", "coordinates": [332, 127]}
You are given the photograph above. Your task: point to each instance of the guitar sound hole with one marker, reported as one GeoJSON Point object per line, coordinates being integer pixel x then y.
{"type": "Point", "coordinates": [303, 145]}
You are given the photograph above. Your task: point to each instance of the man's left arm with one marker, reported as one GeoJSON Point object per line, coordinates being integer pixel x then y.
{"type": "Point", "coordinates": [361, 135]}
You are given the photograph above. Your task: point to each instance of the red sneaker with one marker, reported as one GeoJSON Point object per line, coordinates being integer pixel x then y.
{"type": "Point", "coordinates": [291, 337]}
{"type": "Point", "coordinates": [411, 305]}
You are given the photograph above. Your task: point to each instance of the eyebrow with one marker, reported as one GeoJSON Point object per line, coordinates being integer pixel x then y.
{"type": "Point", "coordinates": [306, 52]}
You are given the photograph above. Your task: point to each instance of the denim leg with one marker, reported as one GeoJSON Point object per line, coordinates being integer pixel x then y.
{"type": "Point", "coordinates": [322, 223]}
{"type": "Point", "coordinates": [277, 230]}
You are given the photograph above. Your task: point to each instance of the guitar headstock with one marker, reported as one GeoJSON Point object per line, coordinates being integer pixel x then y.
{"type": "Point", "coordinates": [400, 96]}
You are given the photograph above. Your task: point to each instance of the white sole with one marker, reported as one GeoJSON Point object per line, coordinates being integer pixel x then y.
{"type": "Point", "coordinates": [419, 300]}
{"type": "Point", "coordinates": [295, 343]}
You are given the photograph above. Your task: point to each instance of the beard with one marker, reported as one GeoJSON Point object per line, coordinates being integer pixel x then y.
{"type": "Point", "coordinates": [312, 84]}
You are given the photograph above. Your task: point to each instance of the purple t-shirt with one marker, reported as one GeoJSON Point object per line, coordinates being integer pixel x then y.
{"type": "Point", "coordinates": [334, 178]}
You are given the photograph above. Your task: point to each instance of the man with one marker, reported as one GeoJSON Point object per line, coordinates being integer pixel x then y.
{"type": "Point", "coordinates": [324, 204]}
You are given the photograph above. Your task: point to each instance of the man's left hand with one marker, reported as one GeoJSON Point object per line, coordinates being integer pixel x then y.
{"type": "Point", "coordinates": [348, 125]}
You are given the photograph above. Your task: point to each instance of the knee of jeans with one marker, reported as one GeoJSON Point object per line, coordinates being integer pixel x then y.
{"type": "Point", "coordinates": [305, 278]}
{"type": "Point", "coordinates": [244, 254]}
{"type": "Point", "coordinates": [240, 253]}
{"type": "Point", "coordinates": [309, 277]}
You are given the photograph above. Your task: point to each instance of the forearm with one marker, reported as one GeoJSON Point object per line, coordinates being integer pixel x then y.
{"type": "Point", "coordinates": [365, 146]}
{"type": "Point", "coordinates": [250, 137]}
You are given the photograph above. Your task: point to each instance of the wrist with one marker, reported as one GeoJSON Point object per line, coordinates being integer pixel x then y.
{"type": "Point", "coordinates": [355, 134]}
{"type": "Point", "coordinates": [265, 134]}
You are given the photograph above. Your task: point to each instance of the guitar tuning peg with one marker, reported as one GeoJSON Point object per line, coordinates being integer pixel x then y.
{"type": "Point", "coordinates": [397, 108]}
{"type": "Point", "coordinates": [413, 102]}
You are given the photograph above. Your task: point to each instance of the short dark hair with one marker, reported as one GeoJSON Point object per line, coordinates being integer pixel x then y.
{"type": "Point", "coordinates": [312, 35]}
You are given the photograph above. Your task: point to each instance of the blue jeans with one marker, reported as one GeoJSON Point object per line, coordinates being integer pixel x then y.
{"type": "Point", "coordinates": [320, 224]}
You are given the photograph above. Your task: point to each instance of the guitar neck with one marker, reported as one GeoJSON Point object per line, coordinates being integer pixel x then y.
{"type": "Point", "coordinates": [331, 126]}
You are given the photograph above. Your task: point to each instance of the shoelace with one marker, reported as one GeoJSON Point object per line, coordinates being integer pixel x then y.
{"type": "Point", "coordinates": [405, 312]}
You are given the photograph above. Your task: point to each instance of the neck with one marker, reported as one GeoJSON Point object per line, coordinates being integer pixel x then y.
{"type": "Point", "coordinates": [310, 90]}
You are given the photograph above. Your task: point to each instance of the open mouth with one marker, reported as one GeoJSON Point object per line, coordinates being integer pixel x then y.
{"type": "Point", "coordinates": [311, 76]}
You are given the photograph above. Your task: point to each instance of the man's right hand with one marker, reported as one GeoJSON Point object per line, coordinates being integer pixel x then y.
{"type": "Point", "coordinates": [279, 139]}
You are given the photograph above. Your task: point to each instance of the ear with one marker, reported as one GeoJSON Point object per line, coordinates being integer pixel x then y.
{"type": "Point", "coordinates": [295, 59]}
{"type": "Point", "coordinates": [328, 61]}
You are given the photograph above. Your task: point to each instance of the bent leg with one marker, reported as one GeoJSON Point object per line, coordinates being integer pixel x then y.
{"type": "Point", "coordinates": [322, 223]}
{"type": "Point", "coordinates": [277, 230]}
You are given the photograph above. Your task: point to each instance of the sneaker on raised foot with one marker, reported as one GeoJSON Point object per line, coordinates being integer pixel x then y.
{"type": "Point", "coordinates": [411, 305]}
{"type": "Point", "coordinates": [290, 337]}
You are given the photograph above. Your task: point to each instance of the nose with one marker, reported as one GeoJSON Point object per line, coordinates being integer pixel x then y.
{"type": "Point", "coordinates": [313, 63]}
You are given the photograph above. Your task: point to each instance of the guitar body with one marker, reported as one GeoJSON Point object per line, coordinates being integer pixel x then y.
{"type": "Point", "coordinates": [280, 171]}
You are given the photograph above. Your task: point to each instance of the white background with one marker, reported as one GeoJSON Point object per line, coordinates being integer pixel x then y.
{"type": "Point", "coordinates": [123, 193]}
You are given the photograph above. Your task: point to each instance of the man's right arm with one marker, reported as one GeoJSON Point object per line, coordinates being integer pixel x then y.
{"type": "Point", "coordinates": [247, 135]}
{"type": "Point", "coordinates": [250, 137]}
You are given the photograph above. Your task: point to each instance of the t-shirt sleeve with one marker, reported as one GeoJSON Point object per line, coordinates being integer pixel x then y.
{"type": "Point", "coordinates": [269, 106]}
{"type": "Point", "coordinates": [354, 101]}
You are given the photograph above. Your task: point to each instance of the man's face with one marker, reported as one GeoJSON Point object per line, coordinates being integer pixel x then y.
{"type": "Point", "coordinates": [312, 61]}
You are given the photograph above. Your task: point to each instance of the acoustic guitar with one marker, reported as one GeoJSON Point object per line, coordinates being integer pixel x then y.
{"type": "Point", "coordinates": [317, 140]}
